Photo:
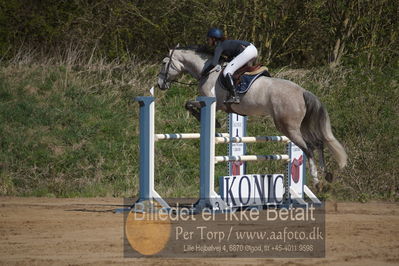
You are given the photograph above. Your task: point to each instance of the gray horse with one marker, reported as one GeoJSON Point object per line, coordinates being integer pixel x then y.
{"type": "Point", "coordinates": [296, 112]}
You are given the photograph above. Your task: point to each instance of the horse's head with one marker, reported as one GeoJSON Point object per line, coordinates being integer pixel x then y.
{"type": "Point", "coordinates": [170, 71]}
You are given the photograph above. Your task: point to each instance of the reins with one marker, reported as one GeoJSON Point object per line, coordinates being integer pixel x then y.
{"type": "Point", "coordinates": [215, 69]}
{"type": "Point", "coordinates": [185, 83]}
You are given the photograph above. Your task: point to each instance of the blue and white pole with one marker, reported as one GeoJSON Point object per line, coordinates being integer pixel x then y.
{"type": "Point", "coordinates": [147, 143]}
{"type": "Point", "coordinates": [208, 197]}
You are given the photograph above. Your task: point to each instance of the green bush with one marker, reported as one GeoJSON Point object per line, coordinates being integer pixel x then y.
{"type": "Point", "coordinates": [290, 32]}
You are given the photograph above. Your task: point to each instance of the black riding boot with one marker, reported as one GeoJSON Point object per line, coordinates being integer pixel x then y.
{"type": "Point", "coordinates": [234, 98]}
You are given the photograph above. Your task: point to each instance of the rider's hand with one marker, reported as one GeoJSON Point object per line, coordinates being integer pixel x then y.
{"type": "Point", "coordinates": [206, 70]}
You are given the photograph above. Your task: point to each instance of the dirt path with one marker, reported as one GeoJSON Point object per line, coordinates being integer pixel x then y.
{"type": "Point", "coordinates": [46, 231]}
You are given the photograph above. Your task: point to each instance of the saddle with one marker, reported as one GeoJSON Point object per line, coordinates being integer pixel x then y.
{"type": "Point", "coordinates": [250, 71]}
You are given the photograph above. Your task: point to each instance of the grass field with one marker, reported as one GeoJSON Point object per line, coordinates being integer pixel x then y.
{"type": "Point", "coordinates": [69, 128]}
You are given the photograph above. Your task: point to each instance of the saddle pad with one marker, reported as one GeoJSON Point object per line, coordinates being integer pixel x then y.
{"type": "Point", "coordinates": [247, 80]}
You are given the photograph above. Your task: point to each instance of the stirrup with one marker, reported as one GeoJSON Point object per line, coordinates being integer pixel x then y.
{"type": "Point", "coordinates": [233, 99]}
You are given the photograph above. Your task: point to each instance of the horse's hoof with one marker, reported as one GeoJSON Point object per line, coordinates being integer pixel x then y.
{"type": "Point", "coordinates": [329, 177]}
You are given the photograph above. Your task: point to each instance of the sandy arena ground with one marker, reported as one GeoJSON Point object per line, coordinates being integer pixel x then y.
{"type": "Point", "coordinates": [47, 231]}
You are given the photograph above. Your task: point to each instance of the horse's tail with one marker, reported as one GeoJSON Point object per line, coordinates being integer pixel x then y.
{"type": "Point", "coordinates": [316, 129]}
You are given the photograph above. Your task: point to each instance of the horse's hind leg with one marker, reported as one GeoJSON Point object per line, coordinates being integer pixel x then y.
{"type": "Point", "coordinates": [322, 163]}
{"type": "Point", "coordinates": [327, 175]}
{"type": "Point", "coordinates": [294, 134]}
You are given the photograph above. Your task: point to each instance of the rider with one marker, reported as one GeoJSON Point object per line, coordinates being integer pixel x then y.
{"type": "Point", "coordinates": [238, 53]}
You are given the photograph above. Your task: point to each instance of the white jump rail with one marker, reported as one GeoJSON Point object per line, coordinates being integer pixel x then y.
{"type": "Point", "coordinates": [227, 139]}
{"type": "Point", "coordinates": [178, 136]}
{"type": "Point", "coordinates": [245, 158]}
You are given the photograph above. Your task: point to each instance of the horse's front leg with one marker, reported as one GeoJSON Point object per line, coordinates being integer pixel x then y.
{"type": "Point", "coordinates": [194, 108]}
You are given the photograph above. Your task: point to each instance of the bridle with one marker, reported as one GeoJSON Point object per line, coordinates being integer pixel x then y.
{"type": "Point", "coordinates": [171, 64]}
{"type": "Point", "coordinates": [166, 73]}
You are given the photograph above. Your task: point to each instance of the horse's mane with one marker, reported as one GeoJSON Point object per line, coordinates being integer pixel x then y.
{"type": "Point", "coordinates": [202, 49]}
